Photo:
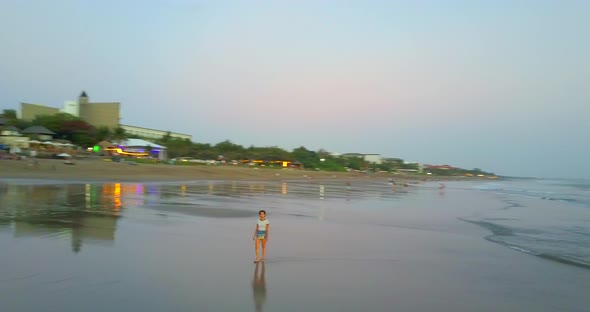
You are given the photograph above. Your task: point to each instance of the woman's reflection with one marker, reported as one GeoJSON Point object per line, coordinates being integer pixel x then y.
{"type": "Point", "coordinates": [259, 286]}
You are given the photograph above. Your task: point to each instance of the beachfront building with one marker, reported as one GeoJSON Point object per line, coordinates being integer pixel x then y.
{"type": "Point", "coordinates": [28, 111]}
{"type": "Point", "coordinates": [106, 114]}
{"type": "Point", "coordinates": [151, 149]}
{"type": "Point", "coordinates": [98, 114]}
{"type": "Point", "coordinates": [373, 158]}
{"type": "Point", "coordinates": [9, 131]}
{"type": "Point", "coordinates": [10, 137]}
{"type": "Point", "coordinates": [39, 132]}
{"type": "Point", "coordinates": [153, 133]}
{"type": "Point", "coordinates": [13, 139]}
{"type": "Point", "coordinates": [357, 155]}
{"type": "Point", "coordinates": [441, 167]}
{"type": "Point", "coordinates": [370, 158]}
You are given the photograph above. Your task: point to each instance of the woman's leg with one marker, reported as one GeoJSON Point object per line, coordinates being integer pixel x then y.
{"type": "Point", "coordinates": [256, 242]}
{"type": "Point", "coordinates": [263, 248]}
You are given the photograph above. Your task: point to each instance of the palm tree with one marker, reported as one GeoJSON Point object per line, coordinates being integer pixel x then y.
{"type": "Point", "coordinates": [103, 133]}
{"type": "Point", "coordinates": [119, 134]}
{"type": "Point", "coordinates": [9, 114]}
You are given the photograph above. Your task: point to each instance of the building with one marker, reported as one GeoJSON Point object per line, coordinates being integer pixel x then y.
{"type": "Point", "coordinates": [441, 167]}
{"type": "Point", "coordinates": [13, 137]}
{"type": "Point", "coordinates": [132, 146]}
{"type": "Point", "coordinates": [9, 131]}
{"type": "Point", "coordinates": [40, 132]}
{"type": "Point", "coordinates": [29, 111]}
{"type": "Point", "coordinates": [371, 158]}
{"type": "Point", "coordinates": [10, 137]}
{"type": "Point", "coordinates": [98, 114]}
{"type": "Point", "coordinates": [153, 133]}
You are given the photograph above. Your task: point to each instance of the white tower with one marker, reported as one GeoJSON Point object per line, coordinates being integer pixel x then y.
{"type": "Point", "coordinates": [72, 108]}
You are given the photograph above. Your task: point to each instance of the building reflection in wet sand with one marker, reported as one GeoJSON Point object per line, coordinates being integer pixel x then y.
{"type": "Point", "coordinates": [80, 212]}
{"type": "Point", "coordinates": [89, 212]}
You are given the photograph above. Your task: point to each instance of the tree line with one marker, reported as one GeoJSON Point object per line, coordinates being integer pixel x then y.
{"type": "Point", "coordinates": [67, 127]}
{"type": "Point", "coordinates": [81, 133]}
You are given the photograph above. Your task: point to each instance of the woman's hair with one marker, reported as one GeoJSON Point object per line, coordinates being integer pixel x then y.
{"type": "Point", "coordinates": [262, 211]}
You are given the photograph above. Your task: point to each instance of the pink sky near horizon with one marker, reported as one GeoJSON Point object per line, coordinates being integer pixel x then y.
{"type": "Point", "coordinates": [496, 85]}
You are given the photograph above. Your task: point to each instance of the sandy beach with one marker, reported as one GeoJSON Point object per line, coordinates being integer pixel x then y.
{"type": "Point", "coordinates": [187, 247]}
{"type": "Point", "coordinates": [99, 170]}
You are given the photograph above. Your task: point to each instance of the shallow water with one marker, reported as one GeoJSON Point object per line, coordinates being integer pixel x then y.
{"type": "Point", "coordinates": [546, 218]}
{"type": "Point", "coordinates": [333, 247]}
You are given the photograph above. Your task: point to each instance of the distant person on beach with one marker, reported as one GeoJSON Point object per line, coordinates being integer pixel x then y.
{"type": "Point", "coordinates": [261, 235]}
{"type": "Point", "coordinates": [441, 189]}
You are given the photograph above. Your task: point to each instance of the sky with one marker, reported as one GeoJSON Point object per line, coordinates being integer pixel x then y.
{"type": "Point", "coordinates": [496, 85]}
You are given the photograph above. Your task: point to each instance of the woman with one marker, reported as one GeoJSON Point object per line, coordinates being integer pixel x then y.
{"type": "Point", "coordinates": [261, 235]}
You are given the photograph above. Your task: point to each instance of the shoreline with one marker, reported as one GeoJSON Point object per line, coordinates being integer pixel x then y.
{"type": "Point", "coordinates": [97, 170]}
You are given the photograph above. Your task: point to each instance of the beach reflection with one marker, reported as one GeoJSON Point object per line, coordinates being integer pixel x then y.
{"type": "Point", "coordinates": [89, 212]}
{"type": "Point", "coordinates": [302, 190]}
{"type": "Point", "coordinates": [259, 286]}
{"type": "Point", "coordinates": [79, 212]}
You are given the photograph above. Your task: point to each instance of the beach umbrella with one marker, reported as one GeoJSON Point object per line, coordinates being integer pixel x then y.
{"type": "Point", "coordinates": [64, 155]}
{"type": "Point", "coordinates": [49, 143]}
{"type": "Point", "coordinates": [34, 141]}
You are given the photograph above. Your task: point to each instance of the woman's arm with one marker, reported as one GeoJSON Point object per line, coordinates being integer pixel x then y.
{"type": "Point", "coordinates": [267, 231]}
{"type": "Point", "coordinates": [255, 232]}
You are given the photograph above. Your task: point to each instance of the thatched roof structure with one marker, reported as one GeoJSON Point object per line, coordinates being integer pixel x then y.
{"type": "Point", "coordinates": [37, 130]}
{"type": "Point", "coordinates": [11, 128]}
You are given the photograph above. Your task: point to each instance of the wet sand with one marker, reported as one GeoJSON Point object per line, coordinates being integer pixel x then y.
{"type": "Point", "coordinates": [99, 170]}
{"type": "Point", "coordinates": [332, 247]}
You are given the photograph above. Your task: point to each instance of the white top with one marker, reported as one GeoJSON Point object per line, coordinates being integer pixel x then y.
{"type": "Point", "coordinates": [262, 224]}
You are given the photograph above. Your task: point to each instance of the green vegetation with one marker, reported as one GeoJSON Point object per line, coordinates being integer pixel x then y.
{"type": "Point", "coordinates": [9, 114]}
{"type": "Point", "coordinates": [79, 132]}
{"type": "Point", "coordinates": [12, 120]}
{"type": "Point", "coordinates": [68, 127]}
{"type": "Point", "coordinates": [460, 172]}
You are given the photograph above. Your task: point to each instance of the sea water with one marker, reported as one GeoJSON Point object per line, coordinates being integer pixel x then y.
{"type": "Point", "coordinates": [548, 218]}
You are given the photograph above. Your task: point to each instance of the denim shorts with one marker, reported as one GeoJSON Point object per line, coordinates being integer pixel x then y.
{"type": "Point", "coordinates": [261, 235]}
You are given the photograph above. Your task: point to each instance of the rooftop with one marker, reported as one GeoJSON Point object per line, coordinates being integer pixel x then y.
{"type": "Point", "coordinates": [140, 142]}
{"type": "Point", "coordinates": [37, 130]}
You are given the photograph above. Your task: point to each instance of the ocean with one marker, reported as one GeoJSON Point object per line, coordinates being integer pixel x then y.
{"type": "Point", "coordinates": [555, 226]}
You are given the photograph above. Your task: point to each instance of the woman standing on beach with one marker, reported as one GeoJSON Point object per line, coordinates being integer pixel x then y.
{"type": "Point", "coordinates": [261, 235]}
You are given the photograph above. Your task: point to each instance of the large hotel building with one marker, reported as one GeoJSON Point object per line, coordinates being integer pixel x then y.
{"type": "Point", "coordinates": [97, 114]}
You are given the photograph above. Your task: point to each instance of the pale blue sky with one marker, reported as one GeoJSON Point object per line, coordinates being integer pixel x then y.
{"type": "Point", "coordinates": [500, 85]}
